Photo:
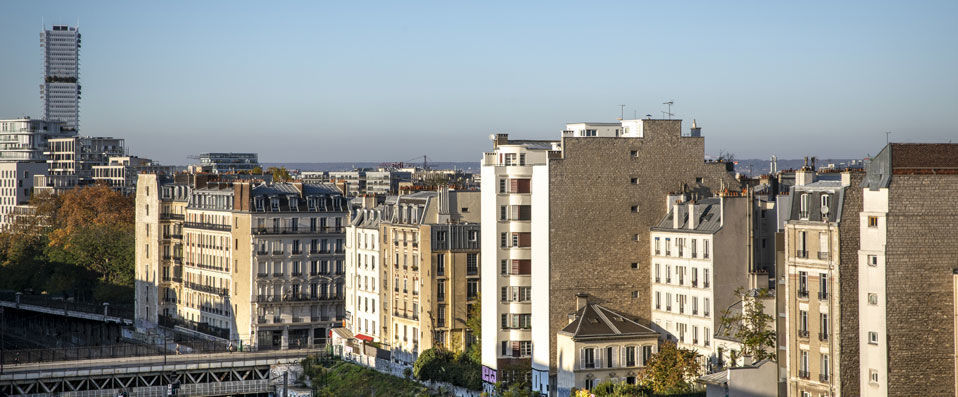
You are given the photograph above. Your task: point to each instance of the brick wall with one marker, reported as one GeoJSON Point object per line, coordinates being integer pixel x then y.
{"type": "Point", "coordinates": [921, 254]}
{"type": "Point", "coordinates": [849, 238]}
{"type": "Point", "coordinates": [591, 221]}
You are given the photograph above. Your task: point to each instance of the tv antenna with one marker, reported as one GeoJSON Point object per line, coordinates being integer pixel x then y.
{"type": "Point", "coordinates": [887, 133]}
{"type": "Point", "coordinates": [621, 112]}
{"type": "Point", "coordinates": [668, 114]}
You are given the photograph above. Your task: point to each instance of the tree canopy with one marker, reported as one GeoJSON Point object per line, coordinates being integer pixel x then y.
{"type": "Point", "coordinates": [671, 369]}
{"type": "Point", "coordinates": [752, 326]}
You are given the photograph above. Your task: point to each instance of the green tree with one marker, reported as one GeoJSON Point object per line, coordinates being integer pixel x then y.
{"type": "Point", "coordinates": [671, 370]}
{"type": "Point", "coordinates": [752, 326]}
{"type": "Point", "coordinates": [474, 323]}
{"type": "Point", "coordinates": [257, 170]}
{"type": "Point", "coordinates": [280, 174]}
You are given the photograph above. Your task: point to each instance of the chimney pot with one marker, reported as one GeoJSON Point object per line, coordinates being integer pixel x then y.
{"type": "Point", "coordinates": [581, 299]}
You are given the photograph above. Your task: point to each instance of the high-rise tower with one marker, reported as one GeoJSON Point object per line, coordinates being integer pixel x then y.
{"type": "Point", "coordinates": [61, 71]}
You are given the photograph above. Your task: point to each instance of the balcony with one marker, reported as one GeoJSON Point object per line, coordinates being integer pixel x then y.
{"type": "Point", "coordinates": [261, 231]}
{"type": "Point", "coordinates": [705, 284]}
{"type": "Point", "coordinates": [803, 333]}
{"type": "Point", "coordinates": [262, 274]}
{"type": "Point", "coordinates": [262, 252]}
{"type": "Point", "coordinates": [297, 252]}
{"type": "Point", "coordinates": [168, 216]}
{"type": "Point", "coordinates": [695, 283]}
{"type": "Point", "coordinates": [823, 336]}
{"type": "Point", "coordinates": [801, 254]}
{"type": "Point", "coordinates": [803, 374]}
{"type": "Point", "coordinates": [658, 279]}
{"type": "Point", "coordinates": [803, 293]}
{"type": "Point", "coordinates": [822, 295]}
{"type": "Point", "coordinates": [823, 378]}
{"type": "Point", "coordinates": [277, 252]}
{"type": "Point", "coordinates": [207, 289]}
{"type": "Point", "coordinates": [294, 298]}
{"type": "Point", "coordinates": [824, 256]}
{"type": "Point", "coordinates": [207, 226]}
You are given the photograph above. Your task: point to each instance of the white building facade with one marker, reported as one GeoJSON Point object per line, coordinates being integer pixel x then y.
{"type": "Point", "coordinates": [515, 290]}
{"type": "Point", "coordinates": [363, 316]}
{"type": "Point", "coordinates": [16, 186]}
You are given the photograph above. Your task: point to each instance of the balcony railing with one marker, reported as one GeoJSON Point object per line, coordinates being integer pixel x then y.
{"type": "Point", "coordinates": [823, 336]}
{"type": "Point", "coordinates": [294, 298]}
{"type": "Point", "coordinates": [824, 256]}
{"type": "Point", "coordinates": [207, 226]}
{"type": "Point", "coordinates": [803, 333]}
{"type": "Point", "coordinates": [823, 378]}
{"type": "Point", "coordinates": [207, 289]}
{"type": "Point", "coordinates": [262, 252]}
{"type": "Point", "coordinates": [801, 254]}
{"type": "Point", "coordinates": [803, 293]}
{"type": "Point", "coordinates": [169, 216]}
{"type": "Point", "coordinates": [822, 295]}
{"type": "Point", "coordinates": [803, 374]}
{"type": "Point", "coordinates": [695, 283]}
{"type": "Point", "coordinates": [297, 230]}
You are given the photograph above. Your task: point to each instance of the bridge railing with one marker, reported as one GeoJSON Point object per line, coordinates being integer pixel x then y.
{"type": "Point", "coordinates": [115, 310]}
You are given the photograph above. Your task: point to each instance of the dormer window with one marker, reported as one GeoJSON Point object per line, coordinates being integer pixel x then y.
{"type": "Point", "coordinates": [274, 204]}
{"type": "Point", "coordinates": [826, 201]}
{"type": "Point", "coordinates": [293, 204]}
{"type": "Point", "coordinates": [803, 211]}
{"type": "Point", "coordinates": [259, 203]}
{"type": "Point", "coordinates": [311, 203]}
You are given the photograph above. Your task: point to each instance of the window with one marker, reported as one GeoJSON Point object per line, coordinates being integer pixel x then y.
{"type": "Point", "coordinates": [802, 284]}
{"type": "Point", "coordinates": [823, 326]}
{"type": "Point", "coordinates": [472, 289]}
{"type": "Point", "coordinates": [634, 153]}
{"type": "Point", "coordinates": [657, 278]}
{"type": "Point", "coordinates": [635, 294]}
{"type": "Point", "coordinates": [635, 208]}
{"type": "Point", "coordinates": [803, 323]}
{"type": "Point", "coordinates": [441, 264]}
{"type": "Point", "coordinates": [705, 250]}
{"type": "Point", "coordinates": [630, 356]}
{"type": "Point", "coordinates": [706, 336]}
{"type": "Point", "coordinates": [873, 221]}
{"type": "Point", "coordinates": [803, 212]}
{"type": "Point", "coordinates": [646, 354]}
{"type": "Point", "coordinates": [825, 369]}
{"type": "Point", "coordinates": [658, 302]}
{"type": "Point", "coordinates": [872, 376]}
{"type": "Point", "coordinates": [872, 299]}
{"type": "Point", "coordinates": [472, 264]}
{"type": "Point", "coordinates": [502, 213]}
{"type": "Point", "coordinates": [668, 246]}
{"type": "Point", "coordinates": [502, 239]}
{"type": "Point", "coordinates": [588, 357]}
{"type": "Point", "coordinates": [657, 251]}
{"type": "Point", "coordinates": [502, 186]}
{"type": "Point", "coordinates": [635, 265]}
{"type": "Point", "coordinates": [823, 286]}
{"type": "Point", "coordinates": [872, 338]}
{"type": "Point", "coordinates": [503, 267]}
{"type": "Point", "coordinates": [705, 278]}
{"type": "Point", "coordinates": [608, 357]}
{"type": "Point", "coordinates": [634, 180]}
{"type": "Point", "coordinates": [872, 260]}
{"type": "Point", "coordinates": [635, 237]}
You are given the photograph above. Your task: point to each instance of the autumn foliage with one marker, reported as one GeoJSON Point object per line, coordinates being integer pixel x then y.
{"type": "Point", "coordinates": [79, 242]}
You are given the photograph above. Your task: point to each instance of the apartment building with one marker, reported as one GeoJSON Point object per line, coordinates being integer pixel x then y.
{"type": "Point", "coordinates": [515, 199]}
{"type": "Point", "coordinates": [262, 264]}
{"type": "Point", "coordinates": [813, 274]}
{"type": "Point", "coordinates": [16, 187]}
{"type": "Point", "coordinates": [120, 172]}
{"type": "Point", "coordinates": [906, 271]}
{"type": "Point", "coordinates": [602, 189]}
{"type": "Point", "coordinates": [700, 257]}
{"type": "Point", "coordinates": [25, 139]}
{"type": "Point", "coordinates": [363, 269]}
{"type": "Point", "coordinates": [71, 161]}
{"type": "Point", "coordinates": [430, 261]}
{"type": "Point", "coordinates": [220, 163]}
{"type": "Point", "coordinates": [600, 344]}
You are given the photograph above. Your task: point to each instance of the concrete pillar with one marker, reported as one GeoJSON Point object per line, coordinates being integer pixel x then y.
{"type": "Point", "coordinates": [285, 343]}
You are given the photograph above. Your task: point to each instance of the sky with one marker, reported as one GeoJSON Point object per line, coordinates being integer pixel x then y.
{"type": "Point", "coordinates": [368, 81]}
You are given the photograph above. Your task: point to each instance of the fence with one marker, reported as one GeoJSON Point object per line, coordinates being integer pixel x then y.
{"type": "Point", "coordinates": [116, 310]}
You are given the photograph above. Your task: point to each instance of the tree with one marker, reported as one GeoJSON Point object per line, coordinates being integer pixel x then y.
{"type": "Point", "coordinates": [671, 369]}
{"type": "Point", "coordinates": [280, 174]}
{"type": "Point", "coordinates": [752, 326]}
{"type": "Point", "coordinates": [257, 170]}
{"type": "Point", "coordinates": [474, 323]}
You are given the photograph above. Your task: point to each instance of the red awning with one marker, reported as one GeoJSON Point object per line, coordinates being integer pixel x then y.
{"type": "Point", "coordinates": [364, 337]}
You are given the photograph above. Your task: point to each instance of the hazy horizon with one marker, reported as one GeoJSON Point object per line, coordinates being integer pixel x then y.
{"type": "Point", "coordinates": [336, 82]}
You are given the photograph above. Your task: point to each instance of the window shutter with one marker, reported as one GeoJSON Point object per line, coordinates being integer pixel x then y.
{"type": "Point", "coordinates": [524, 266]}
{"type": "Point", "coordinates": [525, 239]}
{"type": "Point", "coordinates": [513, 185]}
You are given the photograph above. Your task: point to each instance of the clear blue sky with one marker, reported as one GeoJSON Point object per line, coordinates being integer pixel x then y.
{"type": "Point", "coordinates": [353, 81]}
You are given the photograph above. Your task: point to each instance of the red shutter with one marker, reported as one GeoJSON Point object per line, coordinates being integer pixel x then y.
{"type": "Point", "coordinates": [516, 267]}
{"type": "Point", "coordinates": [520, 185]}
{"type": "Point", "coordinates": [513, 185]}
{"type": "Point", "coordinates": [525, 239]}
{"type": "Point", "coordinates": [524, 266]}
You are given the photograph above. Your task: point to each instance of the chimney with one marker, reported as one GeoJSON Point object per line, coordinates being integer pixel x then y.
{"type": "Point", "coordinates": [696, 131]}
{"type": "Point", "coordinates": [693, 222]}
{"type": "Point", "coordinates": [846, 178]}
{"type": "Point", "coordinates": [581, 299]}
{"type": "Point", "coordinates": [675, 216]}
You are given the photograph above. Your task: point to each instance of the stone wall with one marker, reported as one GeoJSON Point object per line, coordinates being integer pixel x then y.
{"type": "Point", "coordinates": [592, 225]}
{"type": "Point", "coordinates": [921, 255]}
{"type": "Point", "coordinates": [849, 241]}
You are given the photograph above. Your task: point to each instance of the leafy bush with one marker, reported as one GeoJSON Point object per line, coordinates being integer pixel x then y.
{"type": "Point", "coordinates": [441, 365]}
{"type": "Point", "coordinates": [335, 377]}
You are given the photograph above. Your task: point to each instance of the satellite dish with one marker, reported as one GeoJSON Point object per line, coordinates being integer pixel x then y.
{"type": "Point", "coordinates": [492, 137]}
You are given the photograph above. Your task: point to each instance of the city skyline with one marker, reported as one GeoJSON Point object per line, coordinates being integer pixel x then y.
{"type": "Point", "coordinates": [436, 80]}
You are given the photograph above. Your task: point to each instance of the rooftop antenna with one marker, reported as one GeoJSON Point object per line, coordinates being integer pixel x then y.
{"type": "Point", "coordinates": [668, 114]}
{"type": "Point", "coordinates": [621, 112]}
{"type": "Point", "coordinates": [887, 133]}
{"type": "Point", "coordinates": [635, 113]}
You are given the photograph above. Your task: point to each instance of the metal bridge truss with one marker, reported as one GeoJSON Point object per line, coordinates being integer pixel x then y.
{"type": "Point", "coordinates": [194, 382]}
